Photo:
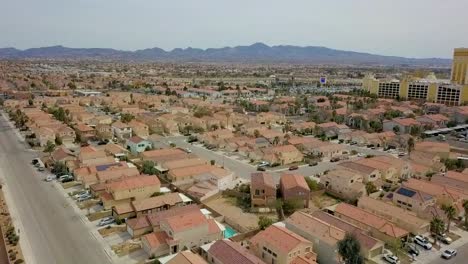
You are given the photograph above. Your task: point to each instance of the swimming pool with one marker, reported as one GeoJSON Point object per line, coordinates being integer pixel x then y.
{"type": "Point", "coordinates": [229, 232]}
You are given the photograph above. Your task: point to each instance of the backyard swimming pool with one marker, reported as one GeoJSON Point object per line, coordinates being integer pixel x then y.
{"type": "Point", "coordinates": [229, 232]}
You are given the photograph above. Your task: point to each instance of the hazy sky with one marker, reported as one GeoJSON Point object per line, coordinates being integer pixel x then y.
{"type": "Point", "coordinates": [413, 28]}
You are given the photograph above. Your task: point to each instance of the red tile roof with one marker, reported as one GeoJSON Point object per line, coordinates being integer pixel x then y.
{"type": "Point", "coordinates": [289, 181]}
{"type": "Point", "coordinates": [279, 238]}
{"type": "Point", "coordinates": [228, 252]}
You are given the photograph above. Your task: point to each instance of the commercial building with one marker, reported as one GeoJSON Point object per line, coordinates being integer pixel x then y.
{"type": "Point", "coordinates": [430, 89]}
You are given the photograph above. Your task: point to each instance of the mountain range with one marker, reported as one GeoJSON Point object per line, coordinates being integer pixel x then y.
{"type": "Point", "coordinates": [255, 53]}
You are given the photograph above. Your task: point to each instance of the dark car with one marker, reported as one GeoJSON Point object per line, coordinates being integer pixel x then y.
{"type": "Point", "coordinates": [313, 163]}
{"type": "Point", "coordinates": [293, 168]}
{"type": "Point", "coordinates": [261, 169]}
{"type": "Point", "coordinates": [412, 249]}
{"type": "Point", "coordinates": [335, 159]}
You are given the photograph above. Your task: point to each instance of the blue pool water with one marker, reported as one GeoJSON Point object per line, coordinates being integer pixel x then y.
{"type": "Point", "coordinates": [229, 232]}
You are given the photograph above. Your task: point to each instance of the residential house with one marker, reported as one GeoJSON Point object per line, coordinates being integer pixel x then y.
{"type": "Point", "coordinates": [278, 245]}
{"type": "Point", "coordinates": [138, 145]}
{"type": "Point", "coordinates": [85, 132]}
{"type": "Point", "coordinates": [283, 155]}
{"type": "Point", "coordinates": [66, 135]}
{"type": "Point", "coordinates": [121, 131]}
{"type": "Point", "coordinates": [104, 131]}
{"type": "Point", "coordinates": [370, 174]}
{"type": "Point", "coordinates": [401, 217]}
{"type": "Point", "coordinates": [442, 149]}
{"type": "Point", "coordinates": [413, 200]}
{"type": "Point", "coordinates": [378, 227]}
{"type": "Point", "coordinates": [343, 183]}
{"type": "Point", "coordinates": [181, 232]}
{"type": "Point", "coordinates": [262, 190]}
{"type": "Point", "coordinates": [401, 125]}
{"type": "Point", "coordinates": [433, 121]}
{"type": "Point", "coordinates": [44, 135]}
{"type": "Point", "coordinates": [139, 129]}
{"type": "Point", "coordinates": [228, 252]}
{"type": "Point", "coordinates": [161, 155]}
{"type": "Point", "coordinates": [92, 156]}
{"type": "Point", "coordinates": [127, 189]}
{"type": "Point", "coordinates": [294, 187]}
{"type": "Point", "coordinates": [186, 257]}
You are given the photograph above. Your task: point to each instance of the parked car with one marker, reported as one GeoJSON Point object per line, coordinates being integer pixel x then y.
{"type": "Point", "coordinates": [423, 242]}
{"type": "Point", "coordinates": [261, 168]}
{"type": "Point", "coordinates": [106, 221]}
{"type": "Point", "coordinates": [78, 195]}
{"type": "Point", "coordinates": [412, 249]}
{"type": "Point", "coordinates": [335, 159]}
{"type": "Point", "coordinates": [444, 239]}
{"type": "Point", "coordinates": [84, 197]}
{"type": "Point", "coordinates": [49, 178]}
{"type": "Point", "coordinates": [41, 169]}
{"type": "Point", "coordinates": [390, 258]}
{"type": "Point", "coordinates": [401, 154]}
{"type": "Point", "coordinates": [293, 168]}
{"type": "Point", "coordinates": [449, 253]}
{"type": "Point", "coordinates": [361, 155]}
{"type": "Point", "coordinates": [188, 150]}
{"type": "Point", "coordinates": [313, 163]}
{"type": "Point", "coordinates": [34, 161]}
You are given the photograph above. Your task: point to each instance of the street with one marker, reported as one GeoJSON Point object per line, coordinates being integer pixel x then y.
{"type": "Point", "coordinates": [462, 257]}
{"type": "Point", "coordinates": [50, 230]}
{"type": "Point", "coordinates": [243, 170]}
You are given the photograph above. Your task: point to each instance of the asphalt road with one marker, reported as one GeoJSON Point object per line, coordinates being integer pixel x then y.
{"type": "Point", "coordinates": [50, 230]}
{"type": "Point", "coordinates": [462, 257]}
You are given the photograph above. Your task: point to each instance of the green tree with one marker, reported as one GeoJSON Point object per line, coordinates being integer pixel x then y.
{"type": "Point", "coordinates": [313, 185]}
{"type": "Point", "coordinates": [276, 140]}
{"type": "Point", "coordinates": [264, 222]}
{"type": "Point", "coordinates": [30, 102]}
{"type": "Point", "coordinates": [350, 249]}
{"type": "Point", "coordinates": [450, 211]}
{"type": "Point", "coordinates": [49, 148]}
{"type": "Point", "coordinates": [126, 118]}
{"type": "Point", "coordinates": [410, 144]}
{"type": "Point", "coordinates": [212, 162]}
{"type": "Point", "coordinates": [370, 188]}
{"type": "Point", "coordinates": [59, 168]}
{"type": "Point", "coordinates": [396, 129]}
{"type": "Point", "coordinates": [291, 205]}
{"type": "Point", "coordinates": [256, 133]}
{"type": "Point", "coordinates": [58, 141]}
{"type": "Point", "coordinates": [465, 208]}
{"type": "Point", "coordinates": [437, 227]}
{"type": "Point", "coordinates": [148, 167]}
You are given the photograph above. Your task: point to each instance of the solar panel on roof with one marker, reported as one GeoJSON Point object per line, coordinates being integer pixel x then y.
{"type": "Point", "coordinates": [406, 192]}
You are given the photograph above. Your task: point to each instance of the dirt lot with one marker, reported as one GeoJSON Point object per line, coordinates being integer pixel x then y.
{"type": "Point", "coordinates": [11, 238]}
{"type": "Point", "coordinates": [233, 215]}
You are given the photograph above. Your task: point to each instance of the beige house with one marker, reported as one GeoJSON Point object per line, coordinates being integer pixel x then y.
{"type": "Point", "coordinates": [125, 190]}
{"type": "Point", "coordinates": [139, 129]}
{"type": "Point", "coordinates": [277, 244]}
{"type": "Point", "coordinates": [262, 190]}
{"type": "Point", "coordinates": [181, 232]}
{"type": "Point", "coordinates": [401, 217]}
{"type": "Point", "coordinates": [344, 183]}
{"type": "Point", "coordinates": [283, 155]}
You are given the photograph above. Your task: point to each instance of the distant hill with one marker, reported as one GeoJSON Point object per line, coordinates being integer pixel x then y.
{"type": "Point", "coordinates": [255, 53]}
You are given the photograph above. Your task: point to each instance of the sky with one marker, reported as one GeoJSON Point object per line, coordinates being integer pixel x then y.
{"type": "Point", "coordinates": [410, 28]}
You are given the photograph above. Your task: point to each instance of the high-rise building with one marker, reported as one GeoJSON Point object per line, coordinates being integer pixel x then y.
{"type": "Point", "coordinates": [460, 66]}
{"type": "Point", "coordinates": [430, 89]}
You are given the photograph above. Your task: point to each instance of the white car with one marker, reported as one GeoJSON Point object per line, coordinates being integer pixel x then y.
{"type": "Point", "coordinates": [361, 154]}
{"type": "Point", "coordinates": [423, 242]}
{"type": "Point", "coordinates": [49, 178]}
{"type": "Point", "coordinates": [390, 258]}
{"type": "Point", "coordinates": [449, 253]}
{"type": "Point", "coordinates": [78, 195]}
{"type": "Point", "coordinates": [84, 197]}
{"type": "Point", "coordinates": [106, 221]}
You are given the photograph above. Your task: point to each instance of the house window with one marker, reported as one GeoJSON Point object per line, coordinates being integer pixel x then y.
{"type": "Point", "coordinates": [257, 192]}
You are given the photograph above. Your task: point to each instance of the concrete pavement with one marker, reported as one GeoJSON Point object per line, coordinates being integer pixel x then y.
{"type": "Point", "coordinates": [50, 229]}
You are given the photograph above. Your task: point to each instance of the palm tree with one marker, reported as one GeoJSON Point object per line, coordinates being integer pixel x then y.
{"type": "Point", "coordinates": [410, 144]}
{"type": "Point", "coordinates": [450, 212]}
{"type": "Point", "coordinates": [437, 227]}
{"type": "Point", "coordinates": [349, 249]}
{"type": "Point", "coordinates": [465, 207]}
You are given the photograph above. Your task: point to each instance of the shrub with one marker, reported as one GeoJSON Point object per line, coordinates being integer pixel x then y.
{"type": "Point", "coordinates": [118, 221]}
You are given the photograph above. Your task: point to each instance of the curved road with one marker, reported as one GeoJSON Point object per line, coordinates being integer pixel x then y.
{"type": "Point", "coordinates": [50, 230]}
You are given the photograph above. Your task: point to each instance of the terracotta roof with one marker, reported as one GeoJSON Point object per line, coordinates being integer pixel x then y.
{"type": "Point", "coordinates": [366, 241]}
{"type": "Point", "coordinates": [192, 170]}
{"type": "Point", "coordinates": [228, 252]}
{"type": "Point", "coordinates": [138, 223]}
{"type": "Point", "coordinates": [156, 239]}
{"type": "Point", "coordinates": [133, 183]}
{"type": "Point", "coordinates": [289, 181]}
{"type": "Point", "coordinates": [156, 218]}
{"type": "Point", "coordinates": [161, 152]}
{"type": "Point", "coordinates": [280, 238]}
{"type": "Point", "coordinates": [136, 139]}
{"type": "Point", "coordinates": [187, 257]}
{"type": "Point", "coordinates": [262, 179]}
{"type": "Point", "coordinates": [169, 199]}
{"type": "Point", "coordinates": [371, 220]}
{"type": "Point", "coordinates": [185, 221]}
{"type": "Point", "coordinates": [457, 175]}
{"type": "Point", "coordinates": [357, 167]}
{"type": "Point", "coordinates": [309, 224]}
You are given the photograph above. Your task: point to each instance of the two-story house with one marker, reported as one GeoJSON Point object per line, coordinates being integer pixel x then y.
{"type": "Point", "coordinates": [121, 131]}
{"type": "Point", "coordinates": [137, 145]}
{"type": "Point", "coordinates": [262, 190]}
{"type": "Point", "coordinates": [294, 187]}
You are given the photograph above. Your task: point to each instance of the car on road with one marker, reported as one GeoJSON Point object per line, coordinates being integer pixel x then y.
{"type": "Point", "coordinates": [412, 249]}
{"type": "Point", "coordinates": [49, 178]}
{"type": "Point", "coordinates": [65, 178]}
{"type": "Point", "coordinates": [449, 253]}
{"type": "Point", "coordinates": [390, 258]}
{"type": "Point", "coordinates": [444, 239]}
{"type": "Point", "coordinates": [313, 163]}
{"type": "Point", "coordinates": [261, 168]}
{"type": "Point", "coordinates": [423, 242]}
{"type": "Point", "coordinates": [34, 161]}
{"type": "Point", "coordinates": [106, 221]}
{"type": "Point", "coordinates": [401, 154]}
{"type": "Point", "coordinates": [335, 159]}
{"type": "Point", "coordinates": [293, 168]}
{"type": "Point", "coordinates": [263, 164]}
{"type": "Point", "coordinates": [188, 150]}
{"type": "Point", "coordinates": [360, 154]}
{"type": "Point", "coordinates": [41, 169]}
